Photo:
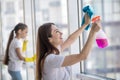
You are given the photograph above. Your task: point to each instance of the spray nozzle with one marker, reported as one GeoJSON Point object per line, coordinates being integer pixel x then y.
{"type": "Point", "coordinates": [94, 19]}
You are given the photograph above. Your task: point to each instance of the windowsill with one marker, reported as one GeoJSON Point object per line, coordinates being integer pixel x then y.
{"type": "Point", "coordinates": [85, 76]}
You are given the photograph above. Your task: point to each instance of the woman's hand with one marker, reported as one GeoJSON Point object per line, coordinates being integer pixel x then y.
{"type": "Point", "coordinates": [87, 19]}
{"type": "Point", "coordinates": [96, 26]}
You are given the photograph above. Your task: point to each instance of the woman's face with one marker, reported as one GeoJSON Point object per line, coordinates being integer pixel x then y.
{"type": "Point", "coordinates": [56, 38]}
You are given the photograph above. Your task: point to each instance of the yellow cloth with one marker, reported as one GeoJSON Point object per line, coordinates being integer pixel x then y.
{"type": "Point", "coordinates": [24, 48]}
{"type": "Point", "coordinates": [31, 59]}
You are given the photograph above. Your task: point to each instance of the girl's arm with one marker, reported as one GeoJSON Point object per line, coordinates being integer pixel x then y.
{"type": "Point", "coordinates": [18, 51]}
{"type": "Point", "coordinates": [75, 34]}
{"type": "Point", "coordinates": [26, 59]}
{"type": "Point", "coordinates": [74, 58]}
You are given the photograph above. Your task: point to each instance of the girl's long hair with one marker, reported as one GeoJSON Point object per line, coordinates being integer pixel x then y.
{"type": "Point", "coordinates": [44, 48]}
{"type": "Point", "coordinates": [17, 27]}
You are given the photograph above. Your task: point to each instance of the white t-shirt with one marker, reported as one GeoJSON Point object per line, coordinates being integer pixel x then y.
{"type": "Point", "coordinates": [15, 64]}
{"type": "Point", "coordinates": [53, 70]}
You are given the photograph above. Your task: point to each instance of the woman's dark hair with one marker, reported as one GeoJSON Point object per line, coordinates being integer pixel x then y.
{"type": "Point", "coordinates": [17, 27]}
{"type": "Point", "coordinates": [44, 47]}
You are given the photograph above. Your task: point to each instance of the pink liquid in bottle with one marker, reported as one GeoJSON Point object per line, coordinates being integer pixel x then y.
{"type": "Point", "coordinates": [101, 38]}
{"type": "Point", "coordinates": [102, 43]}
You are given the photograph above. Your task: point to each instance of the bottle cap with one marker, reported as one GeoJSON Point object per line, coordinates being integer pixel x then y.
{"type": "Point", "coordinates": [95, 18]}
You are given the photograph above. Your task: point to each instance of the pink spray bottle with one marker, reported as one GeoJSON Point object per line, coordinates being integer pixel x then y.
{"type": "Point", "coordinates": [101, 38]}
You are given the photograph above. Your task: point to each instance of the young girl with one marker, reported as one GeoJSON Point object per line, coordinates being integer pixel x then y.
{"type": "Point", "coordinates": [13, 56]}
{"type": "Point", "coordinates": [50, 64]}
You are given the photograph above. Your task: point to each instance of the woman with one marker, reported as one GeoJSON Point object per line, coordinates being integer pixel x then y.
{"type": "Point", "coordinates": [50, 64]}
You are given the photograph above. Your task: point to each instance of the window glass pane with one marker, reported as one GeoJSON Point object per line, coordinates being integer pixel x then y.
{"type": "Point", "coordinates": [10, 14]}
{"type": "Point", "coordinates": [0, 45]}
{"type": "Point", "coordinates": [52, 11]}
{"type": "Point", "coordinates": [114, 12]}
{"type": "Point", "coordinates": [29, 20]}
{"type": "Point", "coordinates": [10, 7]}
{"type": "Point", "coordinates": [105, 62]}
{"type": "Point", "coordinates": [0, 32]}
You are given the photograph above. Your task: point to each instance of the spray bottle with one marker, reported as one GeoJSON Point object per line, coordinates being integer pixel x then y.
{"type": "Point", "coordinates": [101, 38]}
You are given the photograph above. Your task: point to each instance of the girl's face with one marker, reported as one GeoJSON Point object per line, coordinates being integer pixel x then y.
{"type": "Point", "coordinates": [56, 38]}
{"type": "Point", "coordinates": [24, 33]}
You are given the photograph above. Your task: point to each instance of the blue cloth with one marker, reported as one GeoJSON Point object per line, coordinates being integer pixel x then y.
{"type": "Point", "coordinates": [16, 75]}
{"type": "Point", "coordinates": [89, 10]}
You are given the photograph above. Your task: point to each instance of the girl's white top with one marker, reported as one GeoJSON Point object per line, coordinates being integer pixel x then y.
{"type": "Point", "coordinates": [15, 64]}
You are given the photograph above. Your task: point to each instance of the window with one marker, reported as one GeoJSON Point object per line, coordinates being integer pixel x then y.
{"type": "Point", "coordinates": [9, 17]}
{"type": "Point", "coordinates": [67, 15]}
{"type": "Point", "coordinates": [10, 7]}
{"type": "Point", "coordinates": [105, 62]}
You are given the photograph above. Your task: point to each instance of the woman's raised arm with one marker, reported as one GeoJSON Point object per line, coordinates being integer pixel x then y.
{"type": "Point", "coordinates": [75, 34]}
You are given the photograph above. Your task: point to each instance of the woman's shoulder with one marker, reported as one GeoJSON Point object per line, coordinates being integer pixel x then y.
{"type": "Point", "coordinates": [53, 57]}
{"type": "Point", "coordinates": [50, 56]}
